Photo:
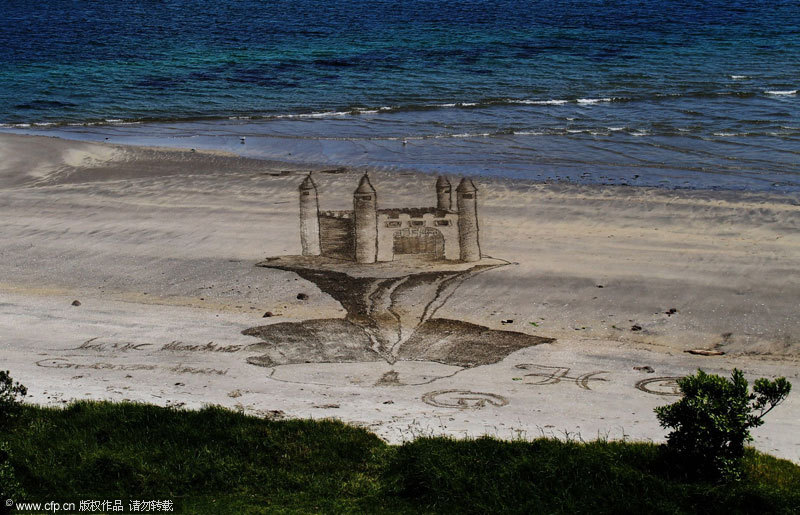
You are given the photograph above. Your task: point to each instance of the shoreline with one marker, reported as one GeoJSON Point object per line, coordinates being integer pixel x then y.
{"type": "Point", "coordinates": [732, 195]}
{"type": "Point", "coordinates": [161, 245]}
{"type": "Point", "coordinates": [384, 141]}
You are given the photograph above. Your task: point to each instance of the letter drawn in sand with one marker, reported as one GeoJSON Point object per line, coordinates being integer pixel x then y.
{"type": "Point", "coordinates": [94, 345]}
{"type": "Point", "coordinates": [660, 386]}
{"type": "Point", "coordinates": [553, 375]}
{"type": "Point", "coordinates": [179, 346]}
{"type": "Point", "coordinates": [463, 399]}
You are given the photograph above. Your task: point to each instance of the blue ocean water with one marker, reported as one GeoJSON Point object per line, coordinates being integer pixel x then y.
{"type": "Point", "coordinates": [674, 93]}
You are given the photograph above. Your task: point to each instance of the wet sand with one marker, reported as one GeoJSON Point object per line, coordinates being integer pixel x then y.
{"type": "Point", "coordinates": [160, 247]}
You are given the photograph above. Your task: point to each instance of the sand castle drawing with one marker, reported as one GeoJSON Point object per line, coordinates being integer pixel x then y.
{"type": "Point", "coordinates": [391, 270]}
{"type": "Point", "coordinates": [369, 235]}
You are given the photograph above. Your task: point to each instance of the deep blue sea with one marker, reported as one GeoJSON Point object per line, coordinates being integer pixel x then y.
{"type": "Point", "coordinates": [699, 94]}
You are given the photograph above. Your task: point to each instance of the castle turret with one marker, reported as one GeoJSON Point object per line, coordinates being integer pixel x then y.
{"type": "Point", "coordinates": [309, 217]}
{"type": "Point", "coordinates": [443, 199]}
{"type": "Point", "coordinates": [365, 222]}
{"type": "Point", "coordinates": [467, 202]}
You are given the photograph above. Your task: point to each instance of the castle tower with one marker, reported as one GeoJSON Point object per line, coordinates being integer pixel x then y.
{"type": "Point", "coordinates": [365, 222]}
{"type": "Point", "coordinates": [467, 202]}
{"type": "Point", "coordinates": [309, 217]}
{"type": "Point", "coordinates": [443, 200]}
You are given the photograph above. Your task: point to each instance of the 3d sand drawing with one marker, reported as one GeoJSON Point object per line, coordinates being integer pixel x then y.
{"type": "Point", "coordinates": [391, 270]}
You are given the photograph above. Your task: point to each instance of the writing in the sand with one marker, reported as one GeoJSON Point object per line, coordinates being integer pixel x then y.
{"type": "Point", "coordinates": [207, 347]}
{"type": "Point", "coordinates": [544, 375]}
{"type": "Point", "coordinates": [541, 375]}
{"type": "Point", "coordinates": [64, 363]}
{"type": "Point", "coordinates": [463, 399]}
{"type": "Point", "coordinates": [660, 386]}
{"type": "Point", "coordinates": [95, 344]}
{"type": "Point", "coordinates": [180, 369]}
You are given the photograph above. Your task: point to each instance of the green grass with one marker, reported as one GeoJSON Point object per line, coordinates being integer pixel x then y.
{"type": "Point", "coordinates": [219, 461]}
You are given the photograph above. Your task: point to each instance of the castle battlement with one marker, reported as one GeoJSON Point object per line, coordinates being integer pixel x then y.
{"type": "Point", "coordinates": [336, 214]}
{"type": "Point", "coordinates": [393, 220]}
{"type": "Point", "coordinates": [368, 234]}
{"type": "Point", "coordinates": [414, 212]}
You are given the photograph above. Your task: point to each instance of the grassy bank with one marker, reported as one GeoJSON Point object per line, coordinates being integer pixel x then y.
{"type": "Point", "coordinates": [218, 461]}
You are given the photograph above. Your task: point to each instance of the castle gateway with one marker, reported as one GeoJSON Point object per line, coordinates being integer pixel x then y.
{"type": "Point", "coordinates": [369, 235]}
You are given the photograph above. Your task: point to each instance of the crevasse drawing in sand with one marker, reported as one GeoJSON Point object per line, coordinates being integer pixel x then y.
{"type": "Point", "coordinates": [391, 270]}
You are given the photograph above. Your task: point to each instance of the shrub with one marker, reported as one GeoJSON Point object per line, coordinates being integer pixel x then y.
{"type": "Point", "coordinates": [712, 422]}
{"type": "Point", "coordinates": [9, 487]}
{"type": "Point", "coordinates": [11, 394]}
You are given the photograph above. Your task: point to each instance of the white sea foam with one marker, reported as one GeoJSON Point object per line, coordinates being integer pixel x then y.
{"type": "Point", "coordinates": [739, 77]}
{"type": "Point", "coordinates": [333, 114]}
{"type": "Point", "coordinates": [639, 133]}
{"type": "Point", "coordinates": [324, 114]}
{"type": "Point", "coordinates": [781, 92]}
{"type": "Point", "coordinates": [724, 134]}
{"type": "Point", "coordinates": [401, 138]}
{"type": "Point", "coordinates": [593, 100]}
{"type": "Point", "coordinates": [455, 104]}
{"type": "Point", "coordinates": [113, 120]}
{"type": "Point", "coordinates": [541, 102]}
{"type": "Point", "coordinates": [471, 135]}
{"type": "Point", "coordinates": [614, 129]}
{"type": "Point", "coordinates": [528, 133]}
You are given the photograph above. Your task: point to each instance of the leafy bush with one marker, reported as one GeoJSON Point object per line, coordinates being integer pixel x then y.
{"type": "Point", "coordinates": [9, 487]}
{"type": "Point", "coordinates": [712, 422]}
{"type": "Point", "coordinates": [11, 394]}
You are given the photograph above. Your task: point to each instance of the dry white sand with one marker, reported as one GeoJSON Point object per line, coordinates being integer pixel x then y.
{"type": "Point", "coordinates": [159, 246]}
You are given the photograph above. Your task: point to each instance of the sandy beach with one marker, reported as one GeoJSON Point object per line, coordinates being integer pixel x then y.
{"type": "Point", "coordinates": [611, 283]}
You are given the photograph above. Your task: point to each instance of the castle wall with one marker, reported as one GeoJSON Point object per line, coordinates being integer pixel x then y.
{"type": "Point", "coordinates": [336, 234]}
{"type": "Point", "coordinates": [390, 223]}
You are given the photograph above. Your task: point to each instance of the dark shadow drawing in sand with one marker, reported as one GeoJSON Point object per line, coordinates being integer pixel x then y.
{"type": "Point", "coordinates": [391, 270]}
